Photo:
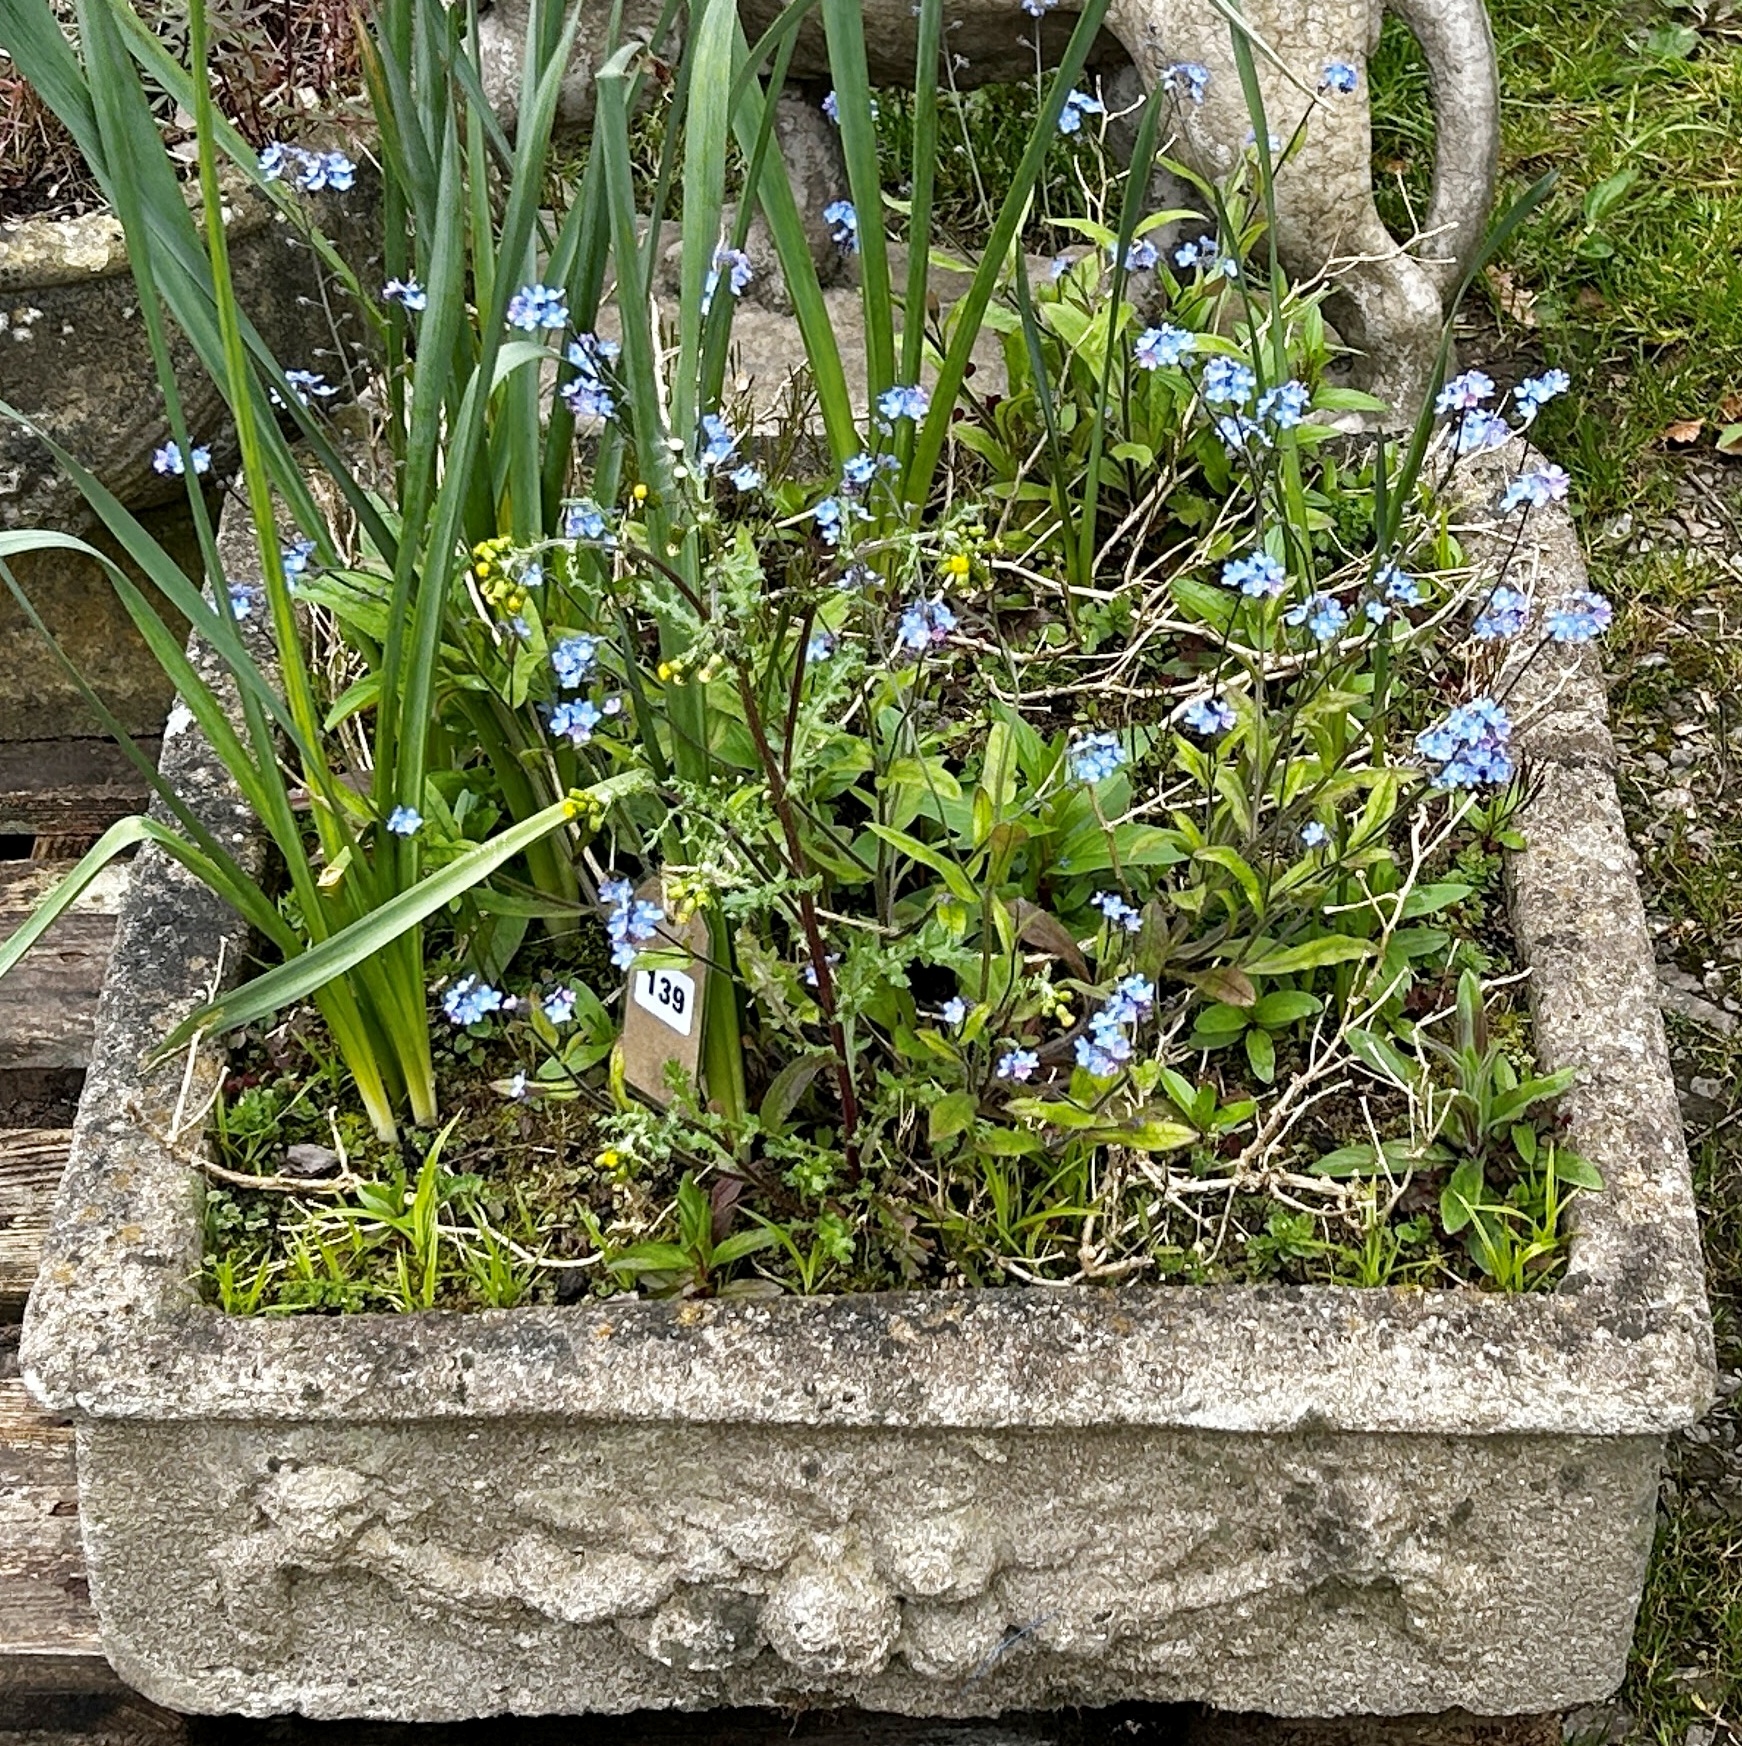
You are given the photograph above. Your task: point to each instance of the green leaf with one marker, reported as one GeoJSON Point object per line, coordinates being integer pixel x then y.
{"type": "Point", "coordinates": [1285, 1006]}
{"type": "Point", "coordinates": [960, 885]}
{"type": "Point", "coordinates": [950, 1115]}
{"type": "Point", "coordinates": [1462, 1196]}
{"type": "Point", "coordinates": [789, 1085]}
{"type": "Point", "coordinates": [740, 1244]}
{"type": "Point", "coordinates": [1431, 899]}
{"type": "Point", "coordinates": [1376, 1052]}
{"type": "Point", "coordinates": [1008, 1143]}
{"type": "Point", "coordinates": [652, 1258]}
{"type": "Point", "coordinates": [1221, 1020]}
{"type": "Point", "coordinates": [1575, 1171]}
{"type": "Point", "coordinates": [1054, 1112]}
{"type": "Point", "coordinates": [1312, 955]}
{"type": "Point", "coordinates": [1261, 1054]}
{"type": "Point", "coordinates": [309, 971]}
{"type": "Point", "coordinates": [1157, 1136]}
{"type": "Point", "coordinates": [1513, 1104]}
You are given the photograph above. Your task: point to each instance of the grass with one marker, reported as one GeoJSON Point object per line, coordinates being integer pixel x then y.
{"type": "Point", "coordinates": [1631, 279]}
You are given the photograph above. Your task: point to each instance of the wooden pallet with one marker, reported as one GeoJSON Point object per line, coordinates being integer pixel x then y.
{"type": "Point", "coordinates": [56, 798]}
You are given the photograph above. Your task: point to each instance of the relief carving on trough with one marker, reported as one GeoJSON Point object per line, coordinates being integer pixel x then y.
{"type": "Point", "coordinates": [716, 1566]}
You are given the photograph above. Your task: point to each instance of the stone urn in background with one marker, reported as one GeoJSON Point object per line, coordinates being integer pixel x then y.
{"type": "Point", "coordinates": [74, 358]}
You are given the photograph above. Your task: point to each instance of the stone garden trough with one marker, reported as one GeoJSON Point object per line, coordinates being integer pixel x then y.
{"type": "Point", "coordinates": [75, 358]}
{"type": "Point", "coordinates": [1305, 1501]}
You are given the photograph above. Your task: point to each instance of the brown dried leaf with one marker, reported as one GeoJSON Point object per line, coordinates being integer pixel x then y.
{"type": "Point", "coordinates": [1046, 933]}
{"type": "Point", "coordinates": [1515, 301]}
{"type": "Point", "coordinates": [1730, 407]}
{"type": "Point", "coordinates": [1590, 297]}
{"type": "Point", "coordinates": [1684, 430]}
{"type": "Point", "coordinates": [1230, 986]}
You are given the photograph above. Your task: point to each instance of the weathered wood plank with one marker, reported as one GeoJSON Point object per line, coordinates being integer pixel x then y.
{"type": "Point", "coordinates": [47, 1627]}
{"type": "Point", "coordinates": [48, 1003]}
{"type": "Point", "coordinates": [73, 789]}
{"type": "Point", "coordinates": [31, 1163]}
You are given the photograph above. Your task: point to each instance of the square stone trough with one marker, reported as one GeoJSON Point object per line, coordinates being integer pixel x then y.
{"type": "Point", "coordinates": [1308, 1501]}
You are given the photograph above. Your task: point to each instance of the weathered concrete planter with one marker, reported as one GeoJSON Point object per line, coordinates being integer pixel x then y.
{"type": "Point", "coordinates": [1303, 1501]}
{"type": "Point", "coordinates": [74, 355]}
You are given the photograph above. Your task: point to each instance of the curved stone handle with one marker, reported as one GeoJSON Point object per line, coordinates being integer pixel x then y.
{"type": "Point", "coordinates": [1459, 45]}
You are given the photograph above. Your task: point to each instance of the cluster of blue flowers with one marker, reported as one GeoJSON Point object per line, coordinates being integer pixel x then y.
{"type": "Point", "coordinates": [859, 472]}
{"type": "Point", "coordinates": [1186, 79]}
{"type": "Point", "coordinates": [1579, 618]}
{"type": "Point", "coordinates": [586, 521]}
{"type": "Point", "coordinates": [924, 623]}
{"type": "Point", "coordinates": [845, 221]}
{"type": "Point", "coordinates": [1464, 393]}
{"type": "Point", "coordinates": [303, 384]}
{"type": "Point", "coordinates": [834, 516]}
{"type": "Point", "coordinates": [1398, 586]}
{"type": "Point", "coordinates": [575, 718]}
{"type": "Point", "coordinates": [470, 1000]}
{"type": "Point", "coordinates": [1208, 716]}
{"type": "Point", "coordinates": [1503, 615]}
{"type": "Point", "coordinates": [405, 821]}
{"type": "Point", "coordinates": [735, 264]}
{"type": "Point", "coordinates": [533, 307]}
{"type": "Point", "coordinates": [1479, 429]}
{"type": "Point", "coordinates": [831, 104]}
{"type": "Point", "coordinates": [1322, 614]}
{"type": "Point", "coordinates": [1257, 575]}
{"type": "Point", "coordinates": [1141, 256]}
{"type": "Point", "coordinates": [1017, 1064]}
{"type": "Point", "coordinates": [1532, 394]}
{"type": "Point", "coordinates": [1094, 757]}
{"type": "Point", "coordinates": [716, 443]}
{"type": "Point", "coordinates": [1118, 912]}
{"type": "Point", "coordinates": [1469, 746]}
{"type": "Point", "coordinates": [310, 171]}
{"type": "Point", "coordinates": [589, 393]}
{"type": "Point", "coordinates": [1206, 255]}
{"type": "Point", "coordinates": [1163, 347]}
{"type": "Point", "coordinates": [632, 924]}
{"type": "Point", "coordinates": [243, 595]}
{"type": "Point", "coordinates": [574, 660]}
{"type": "Point", "coordinates": [1284, 406]}
{"type": "Point", "coordinates": [1077, 105]}
{"type": "Point", "coordinates": [406, 292]}
{"type": "Point", "coordinates": [1537, 490]}
{"type": "Point", "coordinates": [1339, 76]}
{"type": "Point", "coordinates": [1227, 381]}
{"type": "Point", "coordinates": [293, 560]}
{"type": "Point", "coordinates": [1108, 1047]}
{"type": "Point", "coordinates": [909, 401]}
{"type": "Point", "coordinates": [168, 460]}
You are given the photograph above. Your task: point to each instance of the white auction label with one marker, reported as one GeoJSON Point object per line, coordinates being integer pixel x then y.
{"type": "Point", "coordinates": [669, 995]}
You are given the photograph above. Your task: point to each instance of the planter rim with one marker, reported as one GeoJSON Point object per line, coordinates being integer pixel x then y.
{"type": "Point", "coordinates": [1622, 1347]}
{"type": "Point", "coordinates": [68, 251]}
